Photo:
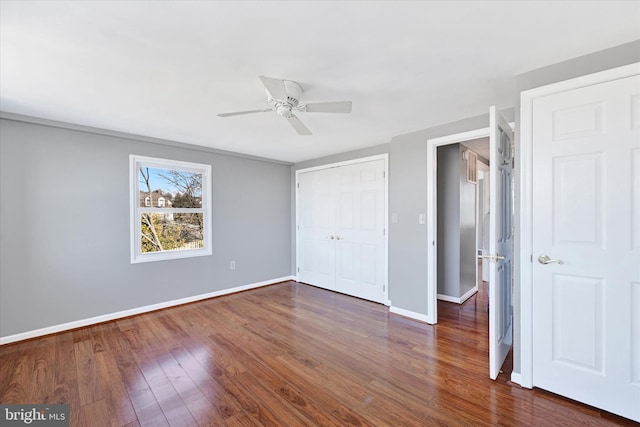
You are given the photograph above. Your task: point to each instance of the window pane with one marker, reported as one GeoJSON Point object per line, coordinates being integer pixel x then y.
{"type": "Point", "coordinates": [167, 188]}
{"type": "Point", "coordinates": [171, 232]}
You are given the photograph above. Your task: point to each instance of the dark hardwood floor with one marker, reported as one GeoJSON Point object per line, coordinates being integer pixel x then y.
{"type": "Point", "coordinates": [283, 355]}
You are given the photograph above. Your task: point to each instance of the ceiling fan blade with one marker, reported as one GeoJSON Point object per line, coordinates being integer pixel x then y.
{"type": "Point", "coordinates": [328, 107]}
{"type": "Point", "coordinates": [298, 125]}
{"type": "Point", "coordinates": [238, 113]}
{"type": "Point", "coordinates": [275, 87]}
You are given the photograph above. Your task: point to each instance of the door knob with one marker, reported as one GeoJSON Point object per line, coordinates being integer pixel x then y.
{"type": "Point", "coordinates": [339, 238]}
{"type": "Point", "coordinates": [493, 258]}
{"type": "Point", "coordinates": [330, 237]}
{"type": "Point", "coordinates": [544, 259]}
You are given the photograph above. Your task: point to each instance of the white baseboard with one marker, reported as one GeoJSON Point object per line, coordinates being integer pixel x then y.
{"type": "Point", "coordinates": [411, 314]}
{"type": "Point", "coordinates": [516, 378]}
{"type": "Point", "coordinates": [138, 310]}
{"type": "Point", "coordinates": [471, 292]}
{"type": "Point", "coordinates": [448, 298]}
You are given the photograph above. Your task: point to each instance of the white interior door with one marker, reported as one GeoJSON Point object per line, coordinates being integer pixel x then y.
{"type": "Point", "coordinates": [341, 229]}
{"type": "Point", "coordinates": [500, 242]}
{"type": "Point", "coordinates": [316, 222]}
{"type": "Point", "coordinates": [360, 229]}
{"type": "Point", "coordinates": [586, 245]}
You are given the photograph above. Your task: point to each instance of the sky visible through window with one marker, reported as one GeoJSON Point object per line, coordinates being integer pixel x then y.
{"type": "Point", "coordinates": [158, 181]}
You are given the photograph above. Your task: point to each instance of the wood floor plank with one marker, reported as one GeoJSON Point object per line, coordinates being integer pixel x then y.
{"type": "Point", "coordinates": [95, 414]}
{"type": "Point", "coordinates": [89, 385]}
{"type": "Point", "coordinates": [287, 354]}
{"type": "Point", "coordinates": [44, 370]}
{"type": "Point", "coordinates": [66, 389]}
{"type": "Point", "coordinates": [145, 405]}
{"type": "Point", "coordinates": [212, 407]}
{"type": "Point", "coordinates": [10, 361]}
{"type": "Point", "coordinates": [115, 395]}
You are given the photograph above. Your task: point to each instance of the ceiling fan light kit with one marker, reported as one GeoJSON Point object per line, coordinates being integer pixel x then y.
{"type": "Point", "coordinates": [284, 97]}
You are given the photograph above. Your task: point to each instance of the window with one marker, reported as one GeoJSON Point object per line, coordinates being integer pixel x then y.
{"type": "Point", "coordinates": [170, 209]}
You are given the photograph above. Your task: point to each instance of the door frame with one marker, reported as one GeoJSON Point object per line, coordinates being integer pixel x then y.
{"type": "Point", "coordinates": [485, 171]}
{"type": "Point", "coordinates": [385, 157]}
{"type": "Point", "coordinates": [432, 220]}
{"type": "Point", "coordinates": [524, 204]}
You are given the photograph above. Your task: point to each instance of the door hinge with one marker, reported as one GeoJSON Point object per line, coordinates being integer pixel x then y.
{"type": "Point", "coordinates": [298, 269]}
{"type": "Point", "coordinates": [384, 174]}
{"type": "Point", "coordinates": [384, 231]}
{"type": "Point", "coordinates": [298, 227]}
{"type": "Point", "coordinates": [298, 185]}
{"type": "Point", "coordinates": [384, 288]}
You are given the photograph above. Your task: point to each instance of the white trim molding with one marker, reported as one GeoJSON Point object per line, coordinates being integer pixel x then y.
{"type": "Point", "coordinates": [136, 164]}
{"type": "Point", "coordinates": [382, 156]}
{"type": "Point", "coordinates": [132, 137]}
{"type": "Point", "coordinates": [410, 314]}
{"type": "Point", "coordinates": [134, 311]}
{"type": "Point", "coordinates": [432, 217]}
{"type": "Point", "coordinates": [516, 378]}
{"type": "Point", "coordinates": [524, 150]}
{"type": "Point", "coordinates": [459, 300]}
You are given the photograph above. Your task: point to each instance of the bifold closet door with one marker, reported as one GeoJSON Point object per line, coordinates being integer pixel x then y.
{"type": "Point", "coordinates": [316, 252]}
{"type": "Point", "coordinates": [342, 229]}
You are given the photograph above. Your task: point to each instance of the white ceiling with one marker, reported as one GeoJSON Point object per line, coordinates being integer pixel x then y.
{"type": "Point", "coordinates": [164, 69]}
{"type": "Point", "coordinates": [480, 146]}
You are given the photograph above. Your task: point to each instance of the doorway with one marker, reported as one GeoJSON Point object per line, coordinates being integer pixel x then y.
{"type": "Point", "coordinates": [462, 210]}
{"type": "Point", "coordinates": [501, 234]}
{"type": "Point", "coordinates": [432, 205]}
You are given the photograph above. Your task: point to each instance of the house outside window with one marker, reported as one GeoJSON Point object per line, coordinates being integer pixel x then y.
{"type": "Point", "coordinates": [170, 209]}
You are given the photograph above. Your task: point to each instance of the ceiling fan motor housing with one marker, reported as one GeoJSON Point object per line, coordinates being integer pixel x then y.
{"type": "Point", "coordinates": [293, 89]}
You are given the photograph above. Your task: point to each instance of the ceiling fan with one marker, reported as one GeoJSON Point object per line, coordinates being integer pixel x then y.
{"type": "Point", "coordinates": [284, 97]}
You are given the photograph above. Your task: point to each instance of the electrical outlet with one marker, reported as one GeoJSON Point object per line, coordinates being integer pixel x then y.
{"type": "Point", "coordinates": [232, 265]}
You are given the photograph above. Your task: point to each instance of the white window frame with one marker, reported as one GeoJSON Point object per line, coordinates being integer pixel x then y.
{"type": "Point", "coordinates": [135, 163]}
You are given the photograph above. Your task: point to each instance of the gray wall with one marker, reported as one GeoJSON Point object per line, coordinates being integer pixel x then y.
{"type": "Point", "coordinates": [408, 198]}
{"type": "Point", "coordinates": [468, 250]}
{"type": "Point", "coordinates": [448, 212]}
{"type": "Point", "coordinates": [625, 54]}
{"type": "Point", "coordinates": [456, 224]}
{"type": "Point", "coordinates": [342, 157]}
{"type": "Point", "coordinates": [64, 226]}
